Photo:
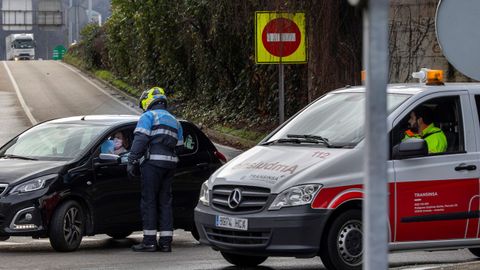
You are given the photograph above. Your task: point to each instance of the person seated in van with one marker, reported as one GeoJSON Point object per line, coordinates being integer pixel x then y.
{"type": "Point", "coordinates": [116, 145]}
{"type": "Point", "coordinates": [421, 126]}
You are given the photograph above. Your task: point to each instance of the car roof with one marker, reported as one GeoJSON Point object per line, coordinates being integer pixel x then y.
{"type": "Point", "coordinates": [413, 88]}
{"type": "Point", "coordinates": [107, 120]}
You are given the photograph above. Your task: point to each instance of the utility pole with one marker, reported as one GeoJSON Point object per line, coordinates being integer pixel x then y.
{"type": "Point", "coordinates": [89, 19]}
{"type": "Point", "coordinates": [70, 22]}
{"type": "Point", "coordinates": [375, 204]}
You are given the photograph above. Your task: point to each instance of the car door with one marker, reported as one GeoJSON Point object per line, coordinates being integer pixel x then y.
{"type": "Point", "coordinates": [192, 170]}
{"type": "Point", "coordinates": [436, 195]}
{"type": "Point", "coordinates": [116, 195]}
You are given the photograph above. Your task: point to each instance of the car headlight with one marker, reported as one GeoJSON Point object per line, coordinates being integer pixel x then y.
{"type": "Point", "coordinates": [35, 184]}
{"type": "Point", "coordinates": [294, 196]}
{"type": "Point", "coordinates": [204, 194]}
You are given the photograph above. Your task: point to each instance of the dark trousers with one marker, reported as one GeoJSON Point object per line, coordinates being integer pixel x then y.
{"type": "Point", "coordinates": [156, 203]}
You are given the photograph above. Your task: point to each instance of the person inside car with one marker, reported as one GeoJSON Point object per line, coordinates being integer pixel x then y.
{"type": "Point", "coordinates": [421, 126]}
{"type": "Point", "coordinates": [118, 144]}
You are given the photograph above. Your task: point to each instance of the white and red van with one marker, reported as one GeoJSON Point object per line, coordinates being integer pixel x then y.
{"type": "Point", "coordinates": [299, 192]}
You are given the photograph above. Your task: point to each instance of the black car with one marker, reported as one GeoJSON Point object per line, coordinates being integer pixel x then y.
{"type": "Point", "coordinates": [56, 181]}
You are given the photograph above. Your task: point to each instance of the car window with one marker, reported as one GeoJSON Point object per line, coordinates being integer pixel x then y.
{"type": "Point", "coordinates": [446, 118]}
{"type": "Point", "coordinates": [53, 141]}
{"type": "Point", "coordinates": [190, 140]}
{"type": "Point", "coordinates": [117, 142]}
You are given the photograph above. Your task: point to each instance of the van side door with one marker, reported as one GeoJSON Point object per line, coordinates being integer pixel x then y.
{"type": "Point", "coordinates": [436, 195]}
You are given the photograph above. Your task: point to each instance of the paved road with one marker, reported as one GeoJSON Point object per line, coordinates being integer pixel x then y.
{"type": "Point", "coordinates": [50, 90]}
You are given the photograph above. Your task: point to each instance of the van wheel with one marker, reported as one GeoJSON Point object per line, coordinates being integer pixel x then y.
{"type": "Point", "coordinates": [342, 247]}
{"type": "Point", "coordinates": [119, 235]}
{"type": "Point", "coordinates": [243, 260]}
{"type": "Point", "coordinates": [475, 251]}
{"type": "Point", "coordinates": [66, 228]}
{"type": "Point", "coordinates": [195, 233]}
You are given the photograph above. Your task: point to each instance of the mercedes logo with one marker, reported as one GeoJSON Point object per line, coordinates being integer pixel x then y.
{"type": "Point", "coordinates": [235, 198]}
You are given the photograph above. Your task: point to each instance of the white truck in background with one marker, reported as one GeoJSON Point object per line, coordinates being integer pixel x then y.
{"type": "Point", "coordinates": [20, 47]}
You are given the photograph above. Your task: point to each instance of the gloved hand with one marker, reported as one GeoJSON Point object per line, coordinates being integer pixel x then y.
{"type": "Point", "coordinates": [133, 169]}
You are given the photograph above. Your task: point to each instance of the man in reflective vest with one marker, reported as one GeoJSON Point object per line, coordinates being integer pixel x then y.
{"type": "Point", "coordinates": [421, 126]}
{"type": "Point", "coordinates": [153, 153]}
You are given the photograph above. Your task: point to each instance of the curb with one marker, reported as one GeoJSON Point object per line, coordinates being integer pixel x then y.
{"type": "Point", "coordinates": [464, 266]}
{"type": "Point", "coordinates": [471, 265]}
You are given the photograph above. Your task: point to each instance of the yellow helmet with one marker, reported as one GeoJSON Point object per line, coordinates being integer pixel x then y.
{"type": "Point", "coordinates": [148, 97]}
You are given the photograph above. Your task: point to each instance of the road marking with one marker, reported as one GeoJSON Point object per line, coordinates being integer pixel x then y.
{"type": "Point", "coordinates": [99, 88]}
{"type": "Point", "coordinates": [19, 95]}
{"type": "Point", "coordinates": [10, 243]}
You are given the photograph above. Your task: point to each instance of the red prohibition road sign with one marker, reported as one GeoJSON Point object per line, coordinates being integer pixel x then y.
{"type": "Point", "coordinates": [281, 37]}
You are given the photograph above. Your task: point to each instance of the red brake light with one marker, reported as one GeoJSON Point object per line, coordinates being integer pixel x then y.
{"type": "Point", "coordinates": [220, 156]}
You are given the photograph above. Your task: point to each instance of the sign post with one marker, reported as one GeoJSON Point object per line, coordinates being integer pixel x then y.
{"type": "Point", "coordinates": [375, 204]}
{"type": "Point", "coordinates": [280, 39]}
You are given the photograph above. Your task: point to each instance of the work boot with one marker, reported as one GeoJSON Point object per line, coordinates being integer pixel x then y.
{"type": "Point", "coordinates": [165, 248]}
{"type": "Point", "coordinates": [142, 247]}
{"type": "Point", "coordinates": [165, 244]}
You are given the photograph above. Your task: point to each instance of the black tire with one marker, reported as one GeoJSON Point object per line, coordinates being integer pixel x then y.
{"type": "Point", "coordinates": [195, 233]}
{"type": "Point", "coordinates": [67, 227]}
{"type": "Point", "coordinates": [243, 260]}
{"type": "Point", "coordinates": [119, 235]}
{"type": "Point", "coordinates": [475, 251]}
{"type": "Point", "coordinates": [4, 238]}
{"type": "Point", "coordinates": [341, 248]}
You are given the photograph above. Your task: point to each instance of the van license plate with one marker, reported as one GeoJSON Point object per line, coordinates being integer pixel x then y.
{"type": "Point", "coordinates": [231, 223]}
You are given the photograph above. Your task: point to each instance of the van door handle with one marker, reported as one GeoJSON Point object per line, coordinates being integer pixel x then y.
{"type": "Point", "coordinates": [465, 167]}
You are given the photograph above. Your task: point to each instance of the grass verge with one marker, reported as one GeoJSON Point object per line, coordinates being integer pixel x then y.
{"type": "Point", "coordinates": [238, 138]}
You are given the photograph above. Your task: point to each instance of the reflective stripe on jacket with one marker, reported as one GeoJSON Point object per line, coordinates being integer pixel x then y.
{"type": "Point", "coordinates": [157, 132]}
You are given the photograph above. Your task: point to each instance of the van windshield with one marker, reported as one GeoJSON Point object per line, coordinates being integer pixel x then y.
{"type": "Point", "coordinates": [336, 120]}
{"type": "Point", "coordinates": [60, 142]}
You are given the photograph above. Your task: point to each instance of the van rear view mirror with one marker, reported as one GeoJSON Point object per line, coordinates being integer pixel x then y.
{"type": "Point", "coordinates": [410, 148]}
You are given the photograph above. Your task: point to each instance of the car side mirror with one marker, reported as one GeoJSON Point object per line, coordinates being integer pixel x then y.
{"type": "Point", "coordinates": [109, 158]}
{"type": "Point", "coordinates": [410, 148]}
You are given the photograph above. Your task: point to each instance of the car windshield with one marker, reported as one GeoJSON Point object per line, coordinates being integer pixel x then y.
{"type": "Point", "coordinates": [24, 44]}
{"type": "Point", "coordinates": [336, 120]}
{"type": "Point", "coordinates": [52, 142]}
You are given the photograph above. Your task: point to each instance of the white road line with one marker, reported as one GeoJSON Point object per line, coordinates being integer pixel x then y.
{"type": "Point", "coordinates": [19, 95]}
{"type": "Point", "coordinates": [10, 243]}
{"type": "Point", "coordinates": [99, 88]}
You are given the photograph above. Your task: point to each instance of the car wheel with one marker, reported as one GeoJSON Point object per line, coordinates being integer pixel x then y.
{"type": "Point", "coordinates": [342, 247]}
{"type": "Point", "coordinates": [119, 235]}
{"type": "Point", "coordinates": [243, 260]}
{"type": "Point", "coordinates": [475, 251]}
{"type": "Point", "coordinates": [4, 238]}
{"type": "Point", "coordinates": [195, 233]}
{"type": "Point", "coordinates": [66, 228]}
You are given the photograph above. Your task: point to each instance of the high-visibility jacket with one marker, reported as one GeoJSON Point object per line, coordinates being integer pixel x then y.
{"type": "Point", "coordinates": [157, 134]}
{"type": "Point", "coordinates": [435, 138]}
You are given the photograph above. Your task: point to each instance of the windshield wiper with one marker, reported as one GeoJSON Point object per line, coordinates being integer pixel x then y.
{"type": "Point", "coordinates": [281, 141]}
{"type": "Point", "coordinates": [18, 157]}
{"type": "Point", "coordinates": [316, 138]}
{"type": "Point", "coordinates": [292, 140]}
